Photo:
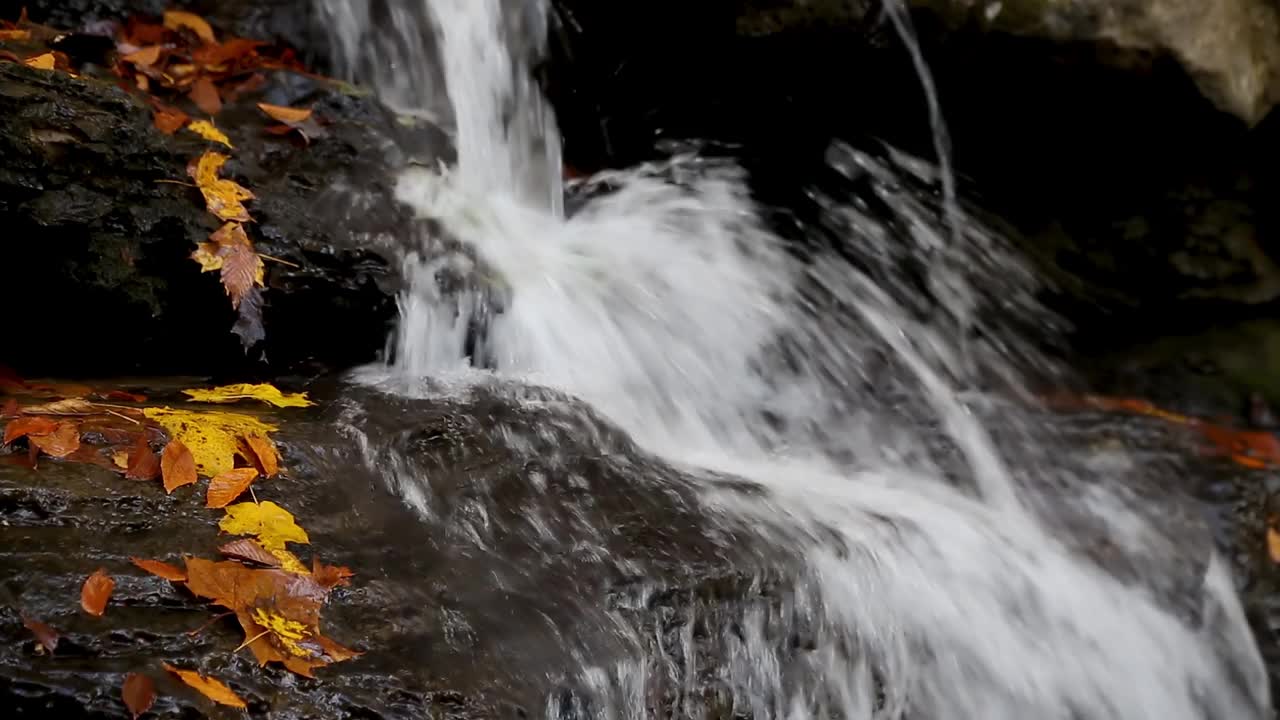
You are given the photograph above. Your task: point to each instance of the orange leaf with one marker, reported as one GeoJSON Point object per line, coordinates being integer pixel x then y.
{"type": "Point", "coordinates": [26, 426]}
{"type": "Point", "coordinates": [64, 440]}
{"type": "Point", "coordinates": [96, 591]}
{"type": "Point", "coordinates": [177, 466]}
{"type": "Point", "coordinates": [178, 20]}
{"type": "Point", "coordinates": [10, 408]}
{"type": "Point", "coordinates": [161, 569]}
{"type": "Point", "coordinates": [211, 688]}
{"type": "Point", "coordinates": [169, 119]}
{"type": "Point", "coordinates": [1273, 544]}
{"type": "Point", "coordinates": [139, 693]}
{"type": "Point", "coordinates": [41, 62]}
{"type": "Point", "coordinates": [214, 54]}
{"type": "Point", "coordinates": [205, 95]}
{"type": "Point", "coordinates": [249, 551]}
{"type": "Point", "coordinates": [144, 58]}
{"type": "Point", "coordinates": [264, 454]}
{"type": "Point", "coordinates": [228, 486]}
{"type": "Point", "coordinates": [15, 34]}
{"type": "Point", "coordinates": [45, 635]}
{"type": "Point", "coordinates": [330, 575]}
{"type": "Point", "coordinates": [285, 114]}
{"type": "Point", "coordinates": [143, 463]}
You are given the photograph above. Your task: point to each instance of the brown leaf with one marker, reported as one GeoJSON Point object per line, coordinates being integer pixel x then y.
{"type": "Point", "coordinates": [222, 197]}
{"type": "Point", "coordinates": [71, 406]}
{"type": "Point", "coordinates": [179, 20]}
{"type": "Point", "coordinates": [64, 440]}
{"type": "Point", "coordinates": [161, 569]}
{"type": "Point", "coordinates": [249, 551]}
{"type": "Point", "coordinates": [10, 408]}
{"type": "Point", "coordinates": [285, 115]}
{"type": "Point", "coordinates": [330, 576]}
{"type": "Point", "coordinates": [251, 84]}
{"type": "Point", "coordinates": [169, 119]}
{"type": "Point", "coordinates": [144, 58]}
{"type": "Point", "coordinates": [228, 486]}
{"type": "Point", "coordinates": [205, 95]}
{"type": "Point", "coordinates": [125, 396]}
{"type": "Point", "coordinates": [143, 463]}
{"type": "Point", "coordinates": [142, 33]}
{"type": "Point", "coordinates": [211, 688]}
{"type": "Point", "coordinates": [177, 466]}
{"type": "Point", "coordinates": [26, 426]}
{"type": "Point", "coordinates": [139, 693]}
{"type": "Point", "coordinates": [262, 453]}
{"type": "Point", "coordinates": [96, 591]}
{"type": "Point", "coordinates": [242, 268]}
{"type": "Point", "coordinates": [234, 49]}
{"type": "Point", "coordinates": [45, 635]}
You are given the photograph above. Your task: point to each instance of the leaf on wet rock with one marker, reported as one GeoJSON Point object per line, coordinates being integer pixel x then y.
{"type": "Point", "coordinates": [70, 406]}
{"type": "Point", "coordinates": [248, 325]}
{"type": "Point", "coordinates": [45, 61]}
{"type": "Point", "coordinates": [249, 551]}
{"type": "Point", "coordinates": [177, 466]}
{"type": "Point", "coordinates": [228, 486]}
{"type": "Point", "coordinates": [10, 408]}
{"type": "Point", "coordinates": [260, 451]}
{"type": "Point", "coordinates": [205, 95]}
{"type": "Point", "coordinates": [144, 57]}
{"type": "Point", "coordinates": [223, 197]}
{"type": "Point", "coordinates": [180, 20]}
{"type": "Point", "coordinates": [139, 693]}
{"type": "Point", "coordinates": [28, 426]}
{"type": "Point", "coordinates": [285, 114]}
{"type": "Point", "coordinates": [64, 440]}
{"type": "Point", "coordinates": [244, 391]}
{"type": "Point", "coordinates": [168, 119]}
{"type": "Point", "coordinates": [210, 687]}
{"type": "Point", "coordinates": [330, 576]}
{"type": "Point", "coordinates": [143, 463]}
{"type": "Point", "coordinates": [96, 591]}
{"type": "Point", "coordinates": [15, 35]}
{"type": "Point", "coordinates": [212, 437]}
{"type": "Point", "coordinates": [242, 269]}
{"type": "Point", "coordinates": [270, 523]}
{"type": "Point", "coordinates": [208, 131]}
{"type": "Point", "coordinates": [161, 569]}
{"type": "Point", "coordinates": [46, 636]}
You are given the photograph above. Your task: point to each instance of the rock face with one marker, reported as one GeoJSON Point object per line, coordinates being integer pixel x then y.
{"type": "Point", "coordinates": [1231, 48]}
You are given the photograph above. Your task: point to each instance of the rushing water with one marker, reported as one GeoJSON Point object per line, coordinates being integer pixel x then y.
{"type": "Point", "coordinates": [866, 384]}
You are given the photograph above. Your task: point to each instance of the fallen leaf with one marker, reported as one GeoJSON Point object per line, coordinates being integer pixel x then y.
{"type": "Point", "coordinates": [248, 325]}
{"type": "Point", "coordinates": [242, 269]}
{"type": "Point", "coordinates": [96, 591]}
{"type": "Point", "coordinates": [71, 406]}
{"type": "Point", "coordinates": [144, 58]}
{"type": "Point", "coordinates": [228, 486]}
{"type": "Point", "coordinates": [124, 395]}
{"type": "Point", "coordinates": [285, 114]}
{"type": "Point", "coordinates": [179, 20]}
{"type": "Point", "coordinates": [211, 688]}
{"type": "Point", "coordinates": [41, 62]}
{"type": "Point", "coordinates": [215, 54]}
{"type": "Point", "coordinates": [211, 436]}
{"type": "Point", "coordinates": [244, 391]}
{"type": "Point", "coordinates": [177, 466]}
{"type": "Point", "coordinates": [15, 35]}
{"type": "Point", "coordinates": [223, 197]}
{"type": "Point", "coordinates": [206, 130]}
{"type": "Point", "coordinates": [64, 440]}
{"type": "Point", "coordinates": [330, 576]}
{"type": "Point", "coordinates": [45, 635]}
{"type": "Point", "coordinates": [1273, 544]}
{"type": "Point", "coordinates": [143, 463]}
{"type": "Point", "coordinates": [297, 645]}
{"type": "Point", "coordinates": [205, 95]}
{"type": "Point", "coordinates": [264, 454]}
{"type": "Point", "coordinates": [272, 524]}
{"type": "Point", "coordinates": [10, 408]}
{"type": "Point", "coordinates": [169, 119]}
{"type": "Point", "coordinates": [25, 426]}
{"type": "Point", "coordinates": [139, 693]}
{"type": "Point", "coordinates": [249, 551]}
{"type": "Point", "coordinates": [161, 569]}
{"type": "Point", "coordinates": [121, 459]}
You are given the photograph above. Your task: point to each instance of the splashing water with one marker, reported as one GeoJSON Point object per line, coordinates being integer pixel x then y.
{"type": "Point", "coordinates": [855, 382]}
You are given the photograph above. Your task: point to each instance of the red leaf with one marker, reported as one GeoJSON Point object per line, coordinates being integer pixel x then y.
{"type": "Point", "coordinates": [96, 592]}
{"type": "Point", "coordinates": [139, 693]}
{"type": "Point", "coordinates": [45, 635]}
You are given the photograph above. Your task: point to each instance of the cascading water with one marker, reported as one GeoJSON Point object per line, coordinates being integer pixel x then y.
{"type": "Point", "coordinates": [944, 575]}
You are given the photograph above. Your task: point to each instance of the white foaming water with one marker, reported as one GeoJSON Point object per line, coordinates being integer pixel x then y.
{"type": "Point", "coordinates": [936, 590]}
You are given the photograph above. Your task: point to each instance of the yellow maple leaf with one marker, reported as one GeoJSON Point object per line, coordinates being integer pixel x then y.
{"type": "Point", "coordinates": [224, 198]}
{"type": "Point", "coordinates": [245, 391]}
{"type": "Point", "coordinates": [210, 132]}
{"type": "Point", "coordinates": [287, 632]}
{"type": "Point", "coordinates": [270, 523]}
{"type": "Point", "coordinates": [212, 437]}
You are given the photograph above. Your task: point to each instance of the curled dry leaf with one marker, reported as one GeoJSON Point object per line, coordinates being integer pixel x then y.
{"type": "Point", "coordinates": [249, 551]}
{"type": "Point", "coordinates": [206, 130]}
{"type": "Point", "coordinates": [28, 426]}
{"type": "Point", "coordinates": [180, 20]}
{"type": "Point", "coordinates": [223, 197]}
{"type": "Point", "coordinates": [64, 440]}
{"type": "Point", "coordinates": [264, 392]}
{"type": "Point", "coordinates": [285, 114]}
{"type": "Point", "coordinates": [143, 463]}
{"type": "Point", "coordinates": [45, 61]}
{"type": "Point", "coordinates": [139, 693]}
{"type": "Point", "coordinates": [228, 486]}
{"type": "Point", "coordinates": [210, 687]}
{"type": "Point", "coordinates": [270, 523]}
{"type": "Point", "coordinates": [211, 436]}
{"type": "Point", "coordinates": [177, 466]}
{"type": "Point", "coordinates": [205, 95]}
{"type": "Point", "coordinates": [45, 635]}
{"type": "Point", "coordinates": [96, 592]}
{"type": "Point", "coordinates": [161, 569]}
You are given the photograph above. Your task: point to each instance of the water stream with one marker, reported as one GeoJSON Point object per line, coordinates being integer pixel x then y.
{"type": "Point", "coordinates": [864, 390]}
